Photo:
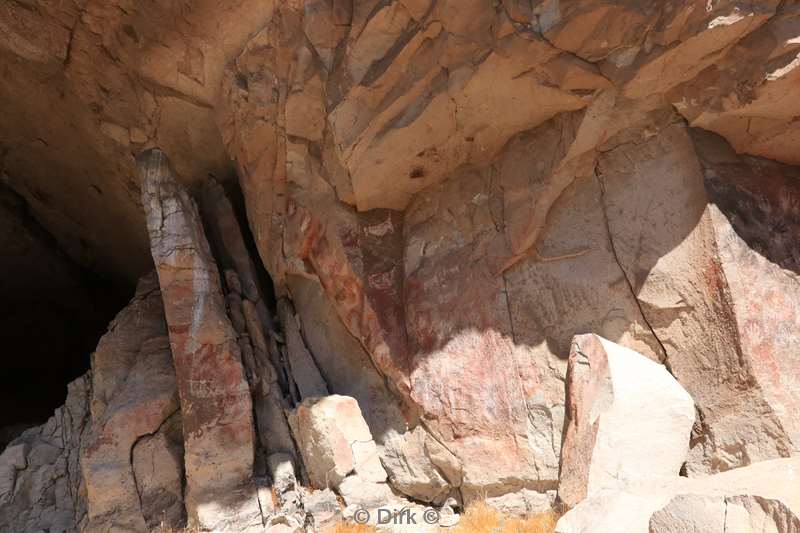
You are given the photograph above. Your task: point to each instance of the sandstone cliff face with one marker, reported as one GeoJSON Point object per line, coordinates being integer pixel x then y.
{"type": "Point", "coordinates": [512, 185]}
{"type": "Point", "coordinates": [444, 193]}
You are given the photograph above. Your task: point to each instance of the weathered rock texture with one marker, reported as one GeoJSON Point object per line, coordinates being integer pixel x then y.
{"type": "Point", "coordinates": [692, 512]}
{"type": "Point", "coordinates": [41, 487]}
{"type": "Point", "coordinates": [112, 457]}
{"type": "Point", "coordinates": [471, 186]}
{"type": "Point", "coordinates": [760, 497]}
{"type": "Point", "coordinates": [335, 441]}
{"type": "Point", "coordinates": [626, 418]}
{"type": "Point", "coordinates": [216, 406]}
{"type": "Point", "coordinates": [132, 459]}
{"type": "Point", "coordinates": [443, 193]}
{"type": "Point", "coordinates": [421, 467]}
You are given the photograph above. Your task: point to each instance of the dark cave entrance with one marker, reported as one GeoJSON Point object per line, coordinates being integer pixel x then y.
{"type": "Point", "coordinates": [54, 312]}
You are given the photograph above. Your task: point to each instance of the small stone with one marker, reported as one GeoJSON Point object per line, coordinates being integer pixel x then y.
{"type": "Point", "coordinates": [323, 506]}
{"type": "Point", "coordinates": [281, 468]}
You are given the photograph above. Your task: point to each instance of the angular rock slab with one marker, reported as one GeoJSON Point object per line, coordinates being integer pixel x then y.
{"type": "Point", "coordinates": [147, 400]}
{"type": "Point", "coordinates": [420, 467]}
{"type": "Point", "coordinates": [214, 394]}
{"type": "Point", "coordinates": [685, 272]}
{"type": "Point", "coordinates": [752, 207]}
{"type": "Point", "coordinates": [627, 418]}
{"type": "Point", "coordinates": [324, 508]}
{"type": "Point", "coordinates": [756, 497]}
{"type": "Point", "coordinates": [334, 441]}
{"type": "Point", "coordinates": [736, 514]}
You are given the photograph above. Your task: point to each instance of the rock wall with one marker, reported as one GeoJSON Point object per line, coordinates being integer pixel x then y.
{"type": "Point", "coordinates": [441, 195]}
{"type": "Point", "coordinates": [511, 186]}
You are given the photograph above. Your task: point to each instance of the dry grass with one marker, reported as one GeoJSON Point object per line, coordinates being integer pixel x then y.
{"type": "Point", "coordinates": [480, 518]}
{"type": "Point", "coordinates": [351, 528]}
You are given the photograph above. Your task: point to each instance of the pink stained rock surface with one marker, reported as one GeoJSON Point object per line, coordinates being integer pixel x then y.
{"type": "Point", "coordinates": [215, 399]}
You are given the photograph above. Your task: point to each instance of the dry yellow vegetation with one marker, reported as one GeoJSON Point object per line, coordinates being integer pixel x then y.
{"type": "Point", "coordinates": [343, 527]}
{"type": "Point", "coordinates": [480, 518]}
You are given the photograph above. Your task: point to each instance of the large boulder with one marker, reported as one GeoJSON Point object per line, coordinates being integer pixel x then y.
{"type": "Point", "coordinates": [334, 441]}
{"type": "Point", "coordinates": [627, 418]}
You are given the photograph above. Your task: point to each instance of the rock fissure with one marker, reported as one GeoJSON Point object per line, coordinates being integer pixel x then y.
{"type": "Point", "coordinates": [664, 359]}
{"type": "Point", "coordinates": [133, 448]}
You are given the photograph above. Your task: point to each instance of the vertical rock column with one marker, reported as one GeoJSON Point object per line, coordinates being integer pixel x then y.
{"type": "Point", "coordinates": [251, 320]}
{"type": "Point", "coordinates": [214, 394]}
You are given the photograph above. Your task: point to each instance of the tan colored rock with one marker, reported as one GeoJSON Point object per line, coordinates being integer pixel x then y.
{"type": "Point", "coordinates": [118, 457]}
{"type": "Point", "coordinates": [251, 319]}
{"type": "Point", "coordinates": [334, 441]}
{"type": "Point", "coordinates": [757, 497]}
{"type": "Point", "coordinates": [380, 33]}
{"type": "Point", "coordinates": [133, 402]}
{"type": "Point", "coordinates": [627, 418]}
{"type": "Point", "coordinates": [110, 70]}
{"type": "Point", "coordinates": [735, 514]}
{"type": "Point", "coordinates": [347, 367]}
{"type": "Point", "coordinates": [215, 398]}
{"type": "Point", "coordinates": [158, 469]}
{"type": "Point", "coordinates": [746, 96]}
{"type": "Point", "coordinates": [680, 61]}
{"type": "Point", "coordinates": [526, 214]}
{"type": "Point", "coordinates": [325, 23]}
{"type": "Point", "coordinates": [753, 224]}
{"type": "Point", "coordinates": [303, 366]}
{"type": "Point", "coordinates": [540, 187]}
{"type": "Point", "coordinates": [323, 506]}
{"type": "Point", "coordinates": [515, 340]}
{"type": "Point", "coordinates": [364, 493]}
{"type": "Point", "coordinates": [665, 241]}
{"type": "Point", "coordinates": [412, 467]}
{"type": "Point", "coordinates": [44, 490]}
{"type": "Point", "coordinates": [33, 35]}
{"type": "Point", "coordinates": [156, 74]}
{"type": "Point", "coordinates": [431, 145]}
{"type": "Point", "coordinates": [524, 503]}
{"type": "Point", "coordinates": [148, 398]}
{"type": "Point", "coordinates": [305, 111]}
